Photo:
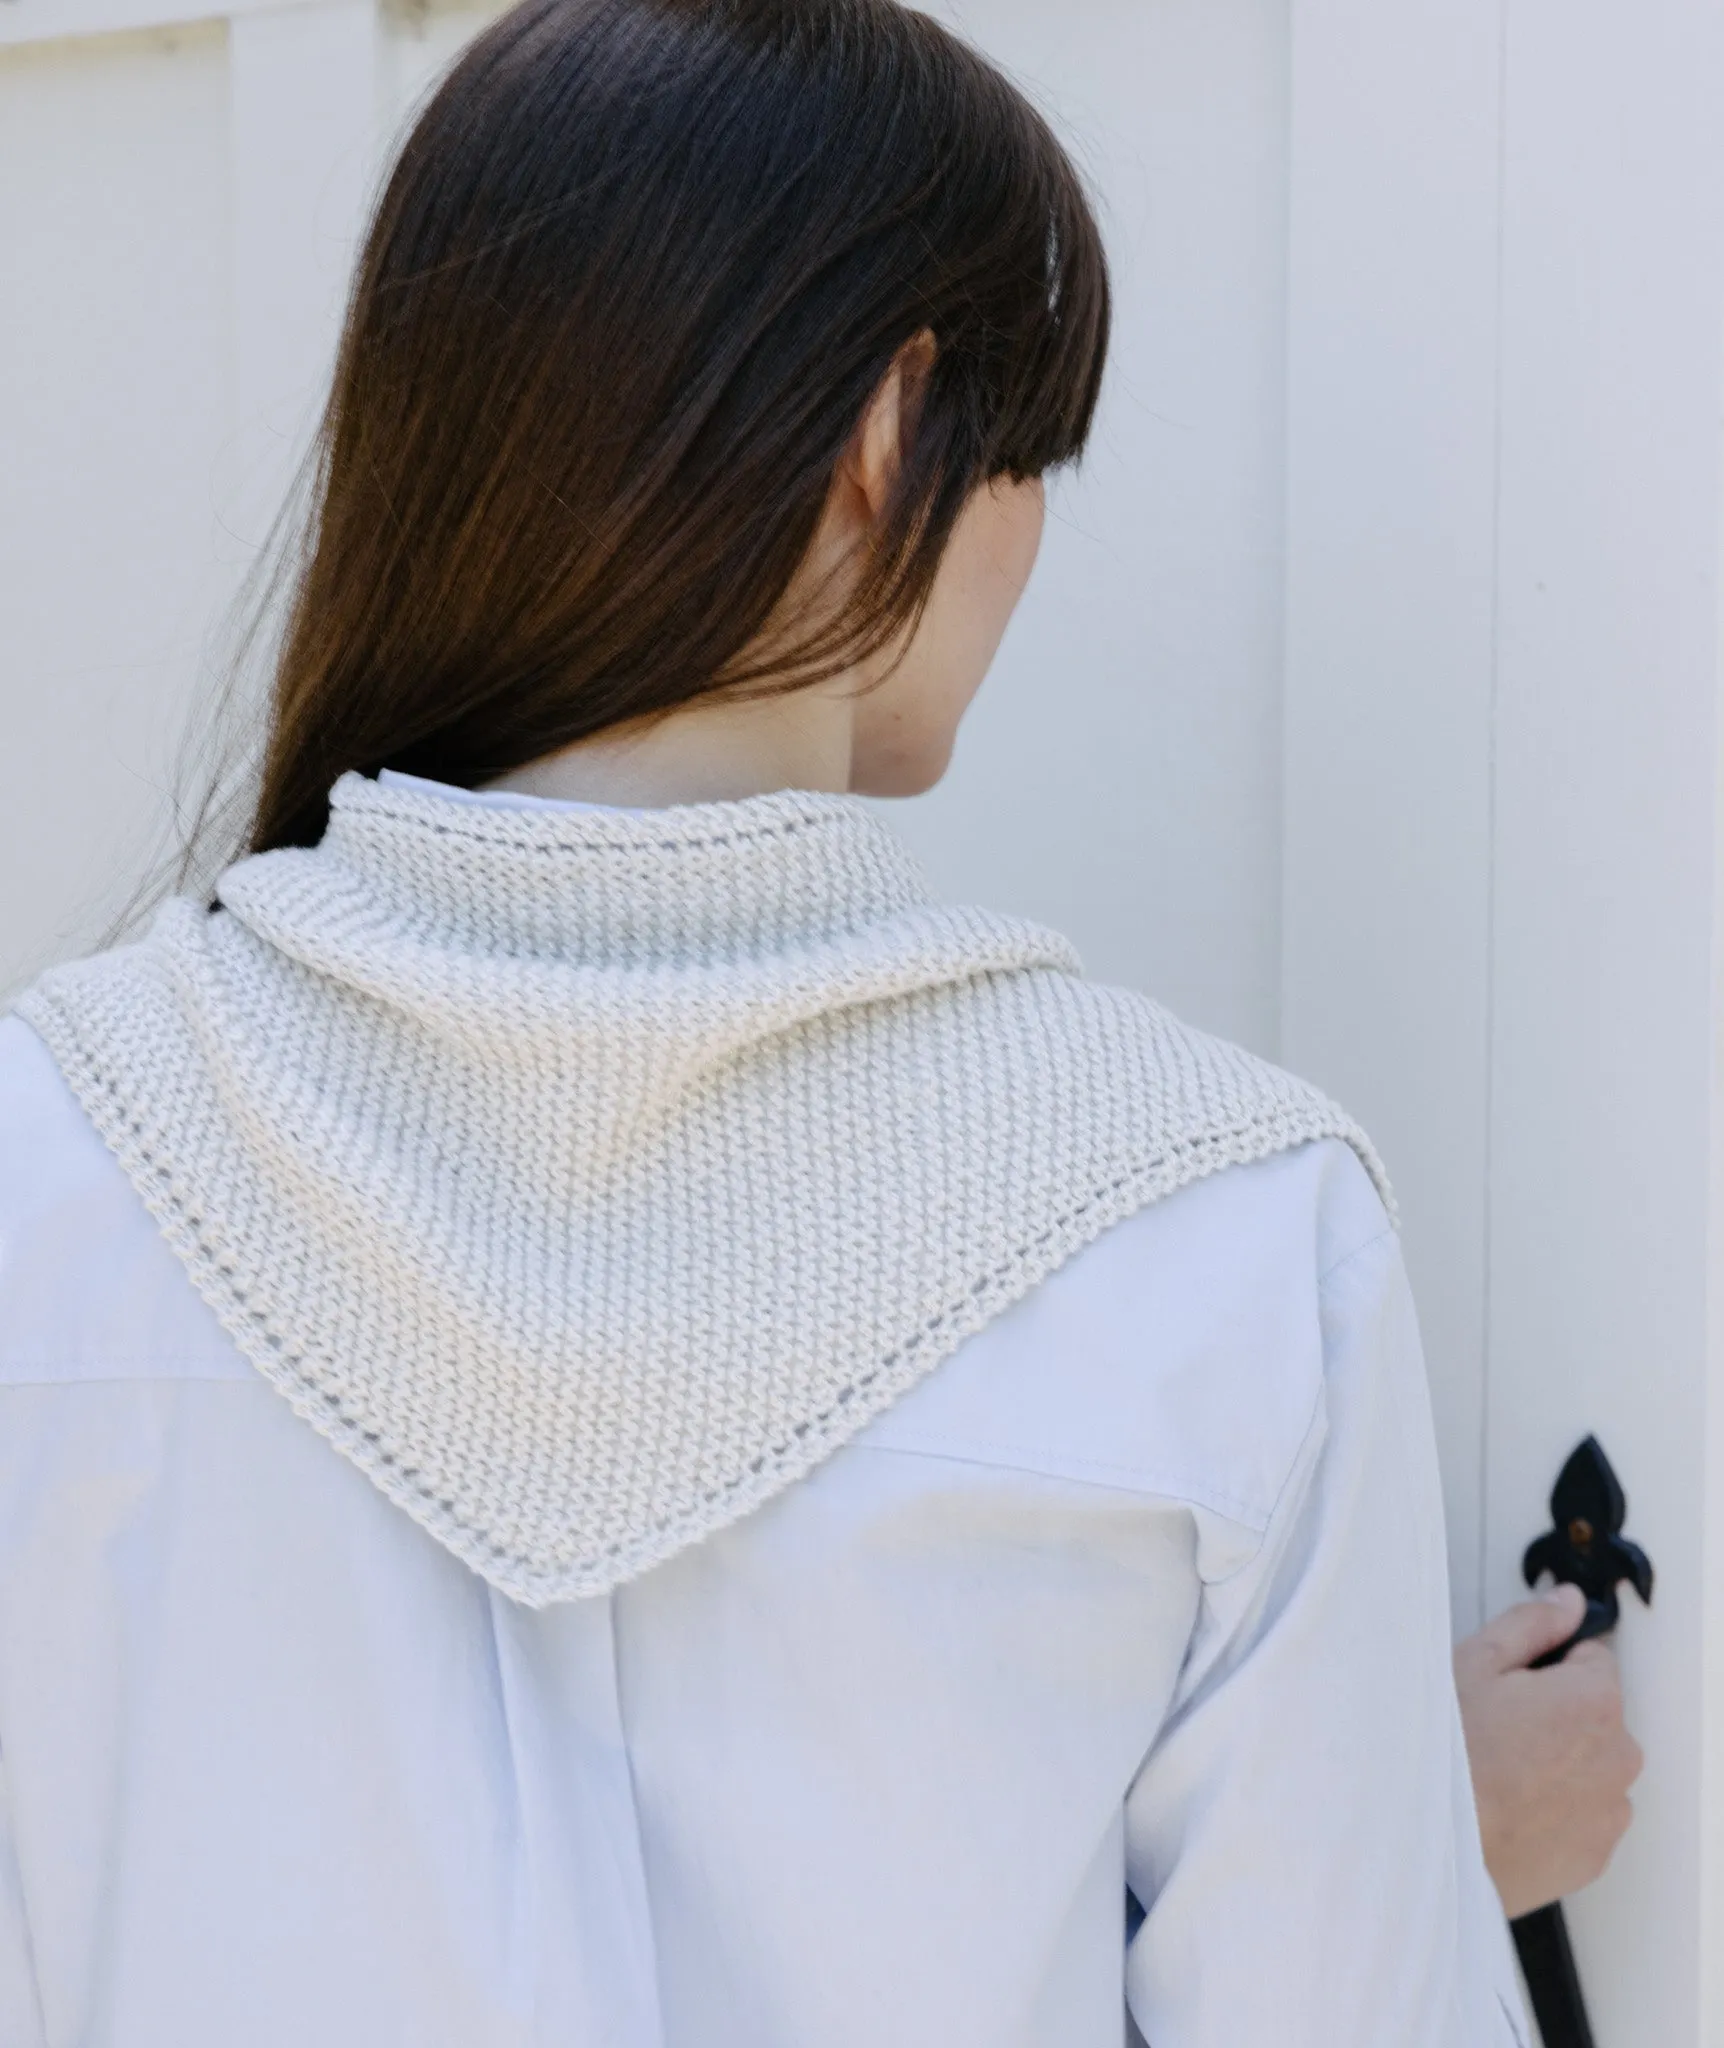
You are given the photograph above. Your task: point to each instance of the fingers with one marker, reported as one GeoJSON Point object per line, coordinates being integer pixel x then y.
{"type": "Point", "coordinates": [1617, 1758]}
{"type": "Point", "coordinates": [1552, 1759]}
{"type": "Point", "coordinates": [1583, 1702]}
{"type": "Point", "coordinates": [1601, 1812]}
{"type": "Point", "coordinates": [1520, 1634]}
{"type": "Point", "coordinates": [1593, 1841]}
{"type": "Point", "coordinates": [1592, 1679]}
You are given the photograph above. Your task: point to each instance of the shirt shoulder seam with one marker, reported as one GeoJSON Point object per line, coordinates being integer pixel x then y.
{"type": "Point", "coordinates": [1078, 1471]}
{"type": "Point", "coordinates": [1386, 1235]}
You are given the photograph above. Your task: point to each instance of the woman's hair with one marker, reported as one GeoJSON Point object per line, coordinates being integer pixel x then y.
{"type": "Point", "coordinates": [635, 277]}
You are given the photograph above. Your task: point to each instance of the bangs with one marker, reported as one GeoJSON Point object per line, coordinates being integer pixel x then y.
{"type": "Point", "coordinates": [1041, 281]}
{"type": "Point", "coordinates": [1058, 353]}
{"type": "Point", "coordinates": [1058, 358]}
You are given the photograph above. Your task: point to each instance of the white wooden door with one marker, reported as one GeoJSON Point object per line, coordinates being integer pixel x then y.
{"type": "Point", "coordinates": [1501, 880]}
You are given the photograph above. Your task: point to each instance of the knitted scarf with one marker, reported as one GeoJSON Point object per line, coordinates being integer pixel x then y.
{"type": "Point", "coordinates": [587, 1177]}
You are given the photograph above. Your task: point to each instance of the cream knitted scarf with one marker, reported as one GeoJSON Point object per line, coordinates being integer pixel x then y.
{"type": "Point", "coordinates": [587, 1177]}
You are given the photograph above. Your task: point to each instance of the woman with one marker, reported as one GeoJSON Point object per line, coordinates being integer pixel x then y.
{"type": "Point", "coordinates": [836, 1448]}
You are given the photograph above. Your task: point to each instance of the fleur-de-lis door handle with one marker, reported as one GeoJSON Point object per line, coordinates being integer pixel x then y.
{"type": "Point", "coordinates": [1584, 1547]}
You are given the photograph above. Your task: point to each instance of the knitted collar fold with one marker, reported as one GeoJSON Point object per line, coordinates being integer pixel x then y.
{"type": "Point", "coordinates": [587, 1177]}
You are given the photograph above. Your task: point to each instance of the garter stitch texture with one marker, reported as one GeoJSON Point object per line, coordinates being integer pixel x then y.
{"type": "Point", "coordinates": [587, 1177]}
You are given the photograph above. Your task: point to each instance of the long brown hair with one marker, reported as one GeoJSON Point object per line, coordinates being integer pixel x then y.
{"type": "Point", "coordinates": [635, 276]}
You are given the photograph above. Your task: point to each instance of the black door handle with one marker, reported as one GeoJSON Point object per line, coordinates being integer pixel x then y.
{"type": "Point", "coordinates": [1584, 1547]}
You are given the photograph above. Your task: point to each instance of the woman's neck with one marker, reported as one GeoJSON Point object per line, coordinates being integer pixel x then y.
{"type": "Point", "coordinates": [705, 752]}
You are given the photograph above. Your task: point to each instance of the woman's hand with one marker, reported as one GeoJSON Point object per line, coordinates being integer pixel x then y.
{"type": "Point", "coordinates": [1551, 1759]}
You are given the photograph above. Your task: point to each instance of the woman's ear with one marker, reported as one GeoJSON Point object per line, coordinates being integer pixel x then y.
{"type": "Point", "coordinates": [877, 452]}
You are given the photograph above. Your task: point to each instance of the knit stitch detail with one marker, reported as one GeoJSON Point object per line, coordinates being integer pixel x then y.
{"type": "Point", "coordinates": [587, 1179]}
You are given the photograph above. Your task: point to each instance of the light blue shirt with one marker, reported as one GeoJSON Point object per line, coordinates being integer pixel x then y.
{"type": "Point", "coordinates": [1144, 1587]}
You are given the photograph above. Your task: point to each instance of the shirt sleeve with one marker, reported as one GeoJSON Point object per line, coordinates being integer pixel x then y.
{"type": "Point", "coordinates": [21, 2023]}
{"type": "Point", "coordinates": [1302, 1837]}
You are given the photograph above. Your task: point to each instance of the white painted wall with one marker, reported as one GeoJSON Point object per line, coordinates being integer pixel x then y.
{"type": "Point", "coordinates": [1365, 706]}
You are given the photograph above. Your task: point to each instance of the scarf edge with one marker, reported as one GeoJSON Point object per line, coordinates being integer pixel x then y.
{"type": "Point", "coordinates": [534, 1585]}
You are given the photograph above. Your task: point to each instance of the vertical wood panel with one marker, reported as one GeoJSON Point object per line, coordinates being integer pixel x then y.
{"type": "Point", "coordinates": [1390, 592]}
{"type": "Point", "coordinates": [1709, 1791]}
{"type": "Point", "coordinates": [113, 274]}
{"type": "Point", "coordinates": [1607, 804]}
{"type": "Point", "coordinates": [307, 118]}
